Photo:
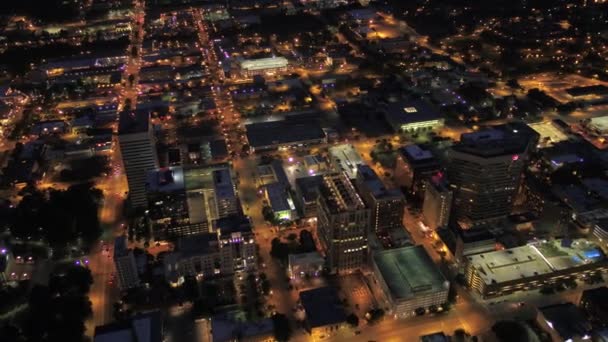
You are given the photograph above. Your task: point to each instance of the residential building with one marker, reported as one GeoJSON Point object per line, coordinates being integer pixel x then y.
{"type": "Point", "coordinates": [138, 152]}
{"type": "Point", "coordinates": [410, 280]}
{"type": "Point", "coordinates": [342, 223]}
{"type": "Point", "coordinates": [325, 315]}
{"type": "Point", "coordinates": [124, 261]}
{"type": "Point", "coordinates": [437, 202]}
{"type": "Point", "coordinates": [386, 205]}
{"type": "Point", "coordinates": [485, 171]}
{"type": "Point", "coordinates": [533, 266]}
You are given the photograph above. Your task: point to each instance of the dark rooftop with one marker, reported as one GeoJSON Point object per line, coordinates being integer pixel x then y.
{"type": "Point", "coordinates": [322, 306]}
{"type": "Point", "coordinates": [511, 138]}
{"type": "Point", "coordinates": [131, 122]}
{"type": "Point", "coordinates": [402, 113]}
{"type": "Point", "coordinates": [567, 320]}
{"type": "Point", "coordinates": [309, 187]}
{"type": "Point", "coordinates": [283, 132]}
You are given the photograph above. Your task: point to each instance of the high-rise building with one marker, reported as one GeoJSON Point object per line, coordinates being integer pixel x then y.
{"type": "Point", "coordinates": [386, 205]}
{"type": "Point", "coordinates": [415, 164]}
{"type": "Point", "coordinates": [437, 202]}
{"type": "Point", "coordinates": [138, 153]}
{"type": "Point", "coordinates": [343, 223]}
{"type": "Point", "coordinates": [485, 171]}
{"type": "Point", "coordinates": [124, 261]}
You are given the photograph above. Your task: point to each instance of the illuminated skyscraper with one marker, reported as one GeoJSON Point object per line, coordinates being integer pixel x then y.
{"type": "Point", "coordinates": [485, 171]}
{"type": "Point", "coordinates": [343, 223]}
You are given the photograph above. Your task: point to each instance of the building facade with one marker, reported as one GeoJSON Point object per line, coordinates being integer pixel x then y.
{"type": "Point", "coordinates": [124, 262]}
{"type": "Point", "coordinates": [138, 152]}
{"type": "Point", "coordinates": [485, 171]}
{"type": "Point", "coordinates": [437, 203]}
{"type": "Point", "coordinates": [386, 205]}
{"type": "Point", "coordinates": [343, 224]}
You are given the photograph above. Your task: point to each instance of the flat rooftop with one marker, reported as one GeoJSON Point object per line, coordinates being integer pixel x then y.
{"type": "Point", "coordinates": [322, 306]}
{"type": "Point", "coordinates": [167, 180]}
{"type": "Point", "coordinates": [535, 259]}
{"type": "Point", "coordinates": [339, 194]}
{"type": "Point", "coordinates": [409, 271]}
{"type": "Point", "coordinates": [131, 122]}
{"type": "Point", "coordinates": [600, 123]}
{"type": "Point", "coordinates": [549, 131]}
{"type": "Point", "coordinates": [403, 113]}
{"type": "Point", "coordinates": [309, 187]}
{"type": "Point", "coordinates": [373, 183]}
{"type": "Point", "coordinates": [347, 157]}
{"type": "Point", "coordinates": [511, 138]}
{"type": "Point", "coordinates": [283, 132]}
{"type": "Point", "coordinates": [416, 153]}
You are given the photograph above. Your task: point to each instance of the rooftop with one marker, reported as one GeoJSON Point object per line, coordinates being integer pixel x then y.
{"type": "Point", "coordinates": [417, 154]}
{"type": "Point", "coordinates": [600, 123]}
{"type": "Point", "coordinates": [409, 271]}
{"type": "Point", "coordinates": [347, 158]}
{"type": "Point", "coordinates": [339, 194]}
{"type": "Point", "coordinates": [146, 327]}
{"type": "Point", "coordinates": [373, 184]}
{"type": "Point", "coordinates": [403, 113]}
{"type": "Point", "coordinates": [309, 187]}
{"type": "Point", "coordinates": [165, 180]}
{"type": "Point", "coordinates": [567, 320]}
{"type": "Point", "coordinates": [264, 63]}
{"type": "Point", "coordinates": [196, 244]}
{"type": "Point", "coordinates": [264, 134]}
{"type": "Point", "coordinates": [511, 138]}
{"type": "Point", "coordinates": [535, 259]}
{"type": "Point", "coordinates": [322, 306]}
{"type": "Point", "coordinates": [131, 122]}
{"type": "Point", "coordinates": [230, 326]}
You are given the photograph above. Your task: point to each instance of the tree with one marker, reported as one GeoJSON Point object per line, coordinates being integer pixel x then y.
{"type": "Point", "coordinates": [307, 242]}
{"type": "Point", "coordinates": [278, 249]}
{"type": "Point", "coordinates": [282, 330]}
{"type": "Point", "coordinates": [266, 286]}
{"type": "Point", "coordinates": [510, 331]}
{"type": "Point", "coordinates": [353, 320]}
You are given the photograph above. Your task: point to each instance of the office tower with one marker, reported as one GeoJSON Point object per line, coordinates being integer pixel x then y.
{"type": "Point", "coordinates": [414, 166]}
{"type": "Point", "coordinates": [437, 202]}
{"type": "Point", "coordinates": [343, 223]}
{"type": "Point", "coordinates": [138, 153]}
{"type": "Point", "coordinates": [485, 171]}
{"type": "Point", "coordinates": [386, 205]}
{"type": "Point", "coordinates": [124, 261]}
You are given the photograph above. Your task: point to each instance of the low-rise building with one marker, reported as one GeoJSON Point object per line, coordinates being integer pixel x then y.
{"type": "Point", "coordinates": [305, 265]}
{"type": "Point", "coordinates": [324, 312]}
{"type": "Point", "coordinates": [345, 158]}
{"type": "Point", "coordinates": [412, 117]}
{"type": "Point", "coordinates": [284, 134]}
{"type": "Point", "coordinates": [533, 266]}
{"type": "Point", "coordinates": [263, 66]}
{"type": "Point", "coordinates": [410, 280]}
{"type": "Point", "coordinates": [144, 327]}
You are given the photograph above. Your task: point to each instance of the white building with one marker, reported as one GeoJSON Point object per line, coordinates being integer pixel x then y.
{"type": "Point", "coordinates": [263, 66]}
